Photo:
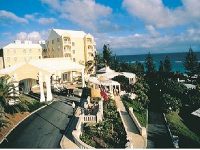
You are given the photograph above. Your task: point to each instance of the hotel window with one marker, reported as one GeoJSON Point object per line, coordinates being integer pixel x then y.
{"type": "Point", "coordinates": [15, 59]}
{"type": "Point", "coordinates": [73, 43]}
{"type": "Point", "coordinates": [52, 41]}
{"type": "Point", "coordinates": [14, 51]}
{"type": "Point", "coordinates": [58, 40]}
{"type": "Point", "coordinates": [39, 50]}
{"type": "Point", "coordinates": [73, 51]}
{"type": "Point", "coordinates": [24, 51]}
{"type": "Point", "coordinates": [74, 59]}
{"type": "Point", "coordinates": [39, 57]}
{"type": "Point", "coordinates": [30, 50]}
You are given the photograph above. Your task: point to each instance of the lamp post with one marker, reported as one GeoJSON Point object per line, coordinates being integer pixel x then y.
{"type": "Point", "coordinates": [73, 106]}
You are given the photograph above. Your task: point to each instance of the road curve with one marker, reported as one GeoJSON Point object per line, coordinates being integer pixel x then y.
{"type": "Point", "coordinates": [43, 129]}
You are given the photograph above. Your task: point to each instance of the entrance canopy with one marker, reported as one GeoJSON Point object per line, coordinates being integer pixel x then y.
{"type": "Point", "coordinates": [46, 66]}
{"type": "Point", "coordinates": [53, 65]}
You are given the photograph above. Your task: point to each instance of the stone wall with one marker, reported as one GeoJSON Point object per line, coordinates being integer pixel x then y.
{"type": "Point", "coordinates": [142, 130]}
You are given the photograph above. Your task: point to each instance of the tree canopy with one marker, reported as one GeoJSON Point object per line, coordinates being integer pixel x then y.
{"type": "Point", "coordinates": [167, 64]}
{"type": "Point", "coordinates": [107, 54]}
{"type": "Point", "coordinates": [191, 62]}
{"type": "Point", "coordinates": [149, 64]}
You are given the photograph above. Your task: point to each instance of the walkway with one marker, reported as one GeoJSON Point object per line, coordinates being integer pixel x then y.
{"type": "Point", "coordinates": [158, 136]}
{"type": "Point", "coordinates": [43, 129]}
{"type": "Point", "coordinates": [67, 141]}
{"type": "Point", "coordinates": [137, 140]}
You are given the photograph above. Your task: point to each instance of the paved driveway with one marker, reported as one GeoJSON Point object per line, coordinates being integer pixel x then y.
{"type": "Point", "coordinates": [158, 136]}
{"type": "Point", "coordinates": [43, 129]}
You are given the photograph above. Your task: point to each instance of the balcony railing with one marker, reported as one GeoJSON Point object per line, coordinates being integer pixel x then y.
{"type": "Point", "coordinates": [67, 42]}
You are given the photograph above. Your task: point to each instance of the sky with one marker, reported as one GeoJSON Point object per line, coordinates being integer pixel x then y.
{"type": "Point", "coordinates": [128, 26]}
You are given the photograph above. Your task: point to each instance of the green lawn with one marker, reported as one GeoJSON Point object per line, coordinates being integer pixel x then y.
{"type": "Point", "coordinates": [139, 113]}
{"type": "Point", "coordinates": [109, 133]}
{"type": "Point", "coordinates": [187, 138]}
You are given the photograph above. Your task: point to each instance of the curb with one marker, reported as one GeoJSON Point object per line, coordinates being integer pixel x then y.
{"type": "Point", "coordinates": [5, 137]}
{"type": "Point", "coordinates": [62, 140]}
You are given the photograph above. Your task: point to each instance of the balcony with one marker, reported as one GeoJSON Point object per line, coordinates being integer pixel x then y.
{"type": "Point", "coordinates": [68, 55]}
{"type": "Point", "coordinates": [89, 40]}
{"type": "Point", "coordinates": [67, 48]}
{"type": "Point", "coordinates": [67, 42]}
{"type": "Point", "coordinates": [91, 54]}
{"type": "Point", "coordinates": [90, 48]}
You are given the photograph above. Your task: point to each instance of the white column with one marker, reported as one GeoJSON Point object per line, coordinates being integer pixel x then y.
{"type": "Point", "coordinates": [42, 98]}
{"type": "Point", "coordinates": [83, 79]}
{"type": "Point", "coordinates": [16, 85]}
{"type": "Point", "coordinates": [48, 86]}
{"type": "Point", "coordinates": [110, 88]}
{"type": "Point", "coordinates": [119, 88]}
{"type": "Point", "coordinates": [70, 76]}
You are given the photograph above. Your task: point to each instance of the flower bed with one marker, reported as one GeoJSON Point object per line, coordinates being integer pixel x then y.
{"type": "Point", "coordinates": [109, 133]}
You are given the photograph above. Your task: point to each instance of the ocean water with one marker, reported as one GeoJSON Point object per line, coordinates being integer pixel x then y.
{"type": "Point", "coordinates": [175, 58]}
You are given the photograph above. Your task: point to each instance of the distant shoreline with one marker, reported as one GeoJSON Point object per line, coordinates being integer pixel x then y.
{"type": "Point", "coordinates": [157, 53]}
{"type": "Point", "coordinates": [175, 58]}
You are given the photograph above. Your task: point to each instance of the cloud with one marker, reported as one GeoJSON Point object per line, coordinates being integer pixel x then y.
{"type": "Point", "coordinates": [45, 21]}
{"type": "Point", "coordinates": [11, 16]}
{"type": "Point", "coordinates": [151, 29]}
{"type": "Point", "coordinates": [32, 36]}
{"type": "Point", "coordinates": [159, 43]}
{"type": "Point", "coordinates": [22, 36]}
{"type": "Point", "coordinates": [85, 13]}
{"type": "Point", "coordinates": [156, 13]}
{"type": "Point", "coordinates": [30, 16]}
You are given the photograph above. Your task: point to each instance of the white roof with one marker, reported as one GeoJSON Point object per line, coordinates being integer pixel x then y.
{"type": "Point", "coordinates": [109, 82]}
{"type": "Point", "coordinates": [56, 64]}
{"type": "Point", "coordinates": [110, 75]}
{"type": "Point", "coordinates": [196, 113]}
{"type": "Point", "coordinates": [50, 65]}
{"type": "Point", "coordinates": [10, 69]}
{"type": "Point", "coordinates": [105, 70]}
{"type": "Point", "coordinates": [72, 33]}
{"type": "Point", "coordinates": [128, 74]}
{"type": "Point", "coordinates": [190, 86]}
{"type": "Point", "coordinates": [95, 80]}
{"type": "Point", "coordinates": [22, 46]}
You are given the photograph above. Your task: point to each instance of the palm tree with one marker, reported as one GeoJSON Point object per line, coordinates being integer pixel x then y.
{"type": "Point", "coordinates": [7, 93]}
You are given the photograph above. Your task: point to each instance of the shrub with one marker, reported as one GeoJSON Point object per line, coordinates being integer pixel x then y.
{"type": "Point", "coordinates": [170, 103]}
